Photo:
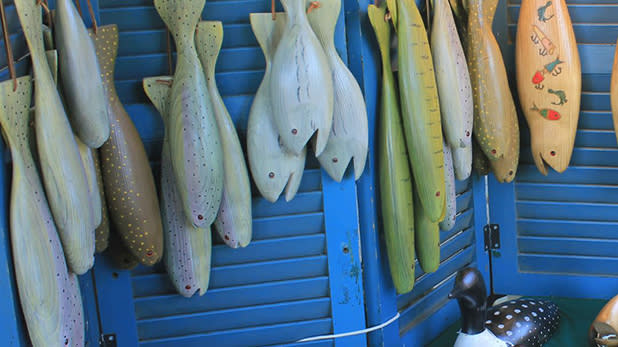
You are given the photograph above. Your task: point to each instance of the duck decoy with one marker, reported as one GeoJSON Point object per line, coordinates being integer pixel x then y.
{"type": "Point", "coordinates": [80, 76]}
{"type": "Point", "coordinates": [301, 86]}
{"type": "Point", "coordinates": [397, 204]}
{"type": "Point", "coordinates": [193, 135]}
{"type": "Point", "coordinates": [187, 248]}
{"type": "Point", "coordinates": [349, 137]}
{"type": "Point", "coordinates": [604, 330]}
{"type": "Point", "coordinates": [272, 166]}
{"type": "Point", "coordinates": [522, 322]}
{"type": "Point", "coordinates": [549, 80]}
{"type": "Point", "coordinates": [454, 88]}
{"type": "Point", "coordinates": [128, 181]}
{"type": "Point", "coordinates": [62, 171]}
{"type": "Point", "coordinates": [451, 194]}
{"type": "Point", "coordinates": [234, 220]}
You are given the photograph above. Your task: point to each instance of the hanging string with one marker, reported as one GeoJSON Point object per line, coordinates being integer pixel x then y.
{"type": "Point", "coordinates": [7, 46]}
{"type": "Point", "coordinates": [272, 9]}
{"type": "Point", "coordinates": [94, 19]}
{"type": "Point", "coordinates": [428, 17]}
{"type": "Point", "coordinates": [79, 8]}
{"type": "Point", "coordinates": [169, 52]}
{"type": "Point", "coordinates": [43, 3]}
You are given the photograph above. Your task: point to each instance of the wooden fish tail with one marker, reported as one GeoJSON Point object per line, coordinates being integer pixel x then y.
{"type": "Point", "coordinates": [234, 219]}
{"type": "Point", "coordinates": [462, 162]}
{"type": "Point", "coordinates": [171, 11]}
{"type": "Point", "coordinates": [102, 231]}
{"type": "Point", "coordinates": [273, 167]}
{"type": "Point", "coordinates": [127, 177]}
{"type": "Point", "coordinates": [40, 268]}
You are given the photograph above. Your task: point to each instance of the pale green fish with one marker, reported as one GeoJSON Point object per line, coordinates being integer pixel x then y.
{"type": "Point", "coordinates": [454, 88]}
{"type": "Point", "coordinates": [272, 166]}
{"type": "Point", "coordinates": [451, 195]}
{"type": "Point", "coordinates": [349, 137]}
{"type": "Point", "coordinates": [85, 153]}
{"type": "Point", "coordinates": [187, 248]}
{"type": "Point", "coordinates": [46, 288]}
{"type": "Point", "coordinates": [234, 220]}
{"type": "Point", "coordinates": [80, 76]}
{"type": "Point", "coordinates": [64, 177]}
{"type": "Point", "coordinates": [192, 133]}
{"type": "Point", "coordinates": [301, 86]}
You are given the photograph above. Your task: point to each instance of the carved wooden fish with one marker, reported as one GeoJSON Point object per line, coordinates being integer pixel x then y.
{"type": "Point", "coordinates": [80, 76]}
{"type": "Point", "coordinates": [451, 196]}
{"type": "Point", "coordinates": [120, 254]}
{"type": "Point", "coordinates": [272, 166]}
{"type": "Point", "coordinates": [129, 184]}
{"type": "Point", "coordinates": [86, 155]}
{"type": "Point", "coordinates": [301, 86]}
{"type": "Point", "coordinates": [187, 248]}
{"type": "Point", "coordinates": [63, 174]}
{"type": "Point", "coordinates": [45, 286]}
{"type": "Point", "coordinates": [193, 136]}
{"type": "Point", "coordinates": [349, 137]}
{"type": "Point", "coordinates": [102, 231]}
{"type": "Point", "coordinates": [234, 220]}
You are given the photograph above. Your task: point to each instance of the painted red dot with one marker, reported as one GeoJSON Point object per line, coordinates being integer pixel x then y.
{"type": "Point", "coordinates": [200, 217]}
{"type": "Point", "coordinates": [271, 175]}
{"type": "Point", "coordinates": [188, 287]}
{"type": "Point", "coordinates": [226, 237]}
{"type": "Point", "coordinates": [149, 253]}
{"type": "Point", "coordinates": [467, 133]}
{"type": "Point", "coordinates": [493, 151]}
{"type": "Point", "coordinates": [335, 160]}
{"type": "Point", "coordinates": [437, 193]}
{"type": "Point", "coordinates": [294, 131]}
{"type": "Point", "coordinates": [553, 153]}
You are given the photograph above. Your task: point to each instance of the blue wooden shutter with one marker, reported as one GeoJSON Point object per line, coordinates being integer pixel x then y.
{"type": "Point", "coordinates": [559, 231]}
{"type": "Point", "coordinates": [301, 274]}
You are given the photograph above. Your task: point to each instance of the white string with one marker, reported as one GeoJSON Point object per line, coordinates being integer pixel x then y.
{"type": "Point", "coordinates": [351, 333]}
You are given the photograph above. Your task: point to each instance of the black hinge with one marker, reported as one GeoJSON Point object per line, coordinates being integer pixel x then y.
{"type": "Point", "coordinates": [108, 340]}
{"type": "Point", "coordinates": [492, 236]}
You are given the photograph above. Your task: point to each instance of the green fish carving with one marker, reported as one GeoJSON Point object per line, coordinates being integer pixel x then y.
{"type": "Point", "coordinates": [349, 137]}
{"type": "Point", "coordinates": [63, 174]}
{"type": "Point", "coordinates": [187, 248]}
{"type": "Point", "coordinates": [193, 136]}
{"type": "Point", "coordinates": [127, 177]}
{"type": "Point", "coordinates": [80, 76]}
{"type": "Point", "coordinates": [272, 166]}
{"type": "Point", "coordinates": [47, 291]}
{"type": "Point", "coordinates": [234, 220]}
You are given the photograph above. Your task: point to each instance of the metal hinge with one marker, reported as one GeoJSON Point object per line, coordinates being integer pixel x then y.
{"type": "Point", "coordinates": [492, 236]}
{"type": "Point", "coordinates": [108, 340]}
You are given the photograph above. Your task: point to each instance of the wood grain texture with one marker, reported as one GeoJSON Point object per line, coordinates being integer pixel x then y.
{"type": "Point", "coordinates": [234, 219]}
{"type": "Point", "coordinates": [129, 184]}
{"type": "Point", "coordinates": [187, 248]}
{"type": "Point", "coordinates": [420, 109]}
{"type": "Point", "coordinates": [63, 174]}
{"type": "Point", "coordinates": [301, 87]}
{"type": "Point", "coordinates": [80, 76]}
{"type": "Point", "coordinates": [349, 137]}
{"type": "Point", "coordinates": [548, 80]}
{"type": "Point", "coordinates": [46, 288]}
{"type": "Point", "coordinates": [272, 166]}
{"type": "Point", "coordinates": [192, 133]}
{"type": "Point", "coordinates": [450, 217]}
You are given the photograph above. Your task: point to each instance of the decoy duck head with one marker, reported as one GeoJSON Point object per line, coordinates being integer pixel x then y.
{"type": "Point", "coordinates": [471, 294]}
{"type": "Point", "coordinates": [603, 335]}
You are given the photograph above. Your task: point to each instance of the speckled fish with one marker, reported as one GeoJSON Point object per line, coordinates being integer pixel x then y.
{"type": "Point", "coordinates": [127, 177]}
{"type": "Point", "coordinates": [349, 137]}
{"type": "Point", "coordinates": [234, 220]}
{"type": "Point", "coordinates": [63, 174]}
{"type": "Point", "coordinates": [187, 248]}
{"type": "Point", "coordinates": [451, 195]}
{"type": "Point", "coordinates": [102, 231]}
{"type": "Point", "coordinates": [120, 254]}
{"type": "Point", "coordinates": [43, 281]}
{"type": "Point", "coordinates": [80, 76]}
{"type": "Point", "coordinates": [495, 118]}
{"type": "Point", "coordinates": [193, 135]}
{"type": "Point", "coordinates": [272, 166]}
{"type": "Point", "coordinates": [454, 89]}
{"type": "Point", "coordinates": [480, 162]}
{"type": "Point", "coordinates": [301, 86]}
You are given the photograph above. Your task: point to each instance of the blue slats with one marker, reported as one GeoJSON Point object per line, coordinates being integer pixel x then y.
{"type": "Point", "coordinates": [558, 228]}
{"type": "Point", "coordinates": [567, 246]}
{"type": "Point", "coordinates": [571, 265]}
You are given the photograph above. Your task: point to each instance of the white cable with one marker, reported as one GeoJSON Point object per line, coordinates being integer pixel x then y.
{"type": "Point", "coordinates": [351, 333]}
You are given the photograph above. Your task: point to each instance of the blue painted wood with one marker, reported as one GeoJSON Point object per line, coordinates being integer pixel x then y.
{"type": "Point", "coordinates": [91, 311]}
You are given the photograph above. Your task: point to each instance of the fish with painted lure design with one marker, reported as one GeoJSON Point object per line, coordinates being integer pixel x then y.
{"type": "Point", "coordinates": [234, 220]}
{"type": "Point", "coordinates": [522, 322]}
{"type": "Point", "coordinates": [52, 312]}
{"type": "Point", "coordinates": [63, 174]}
{"type": "Point", "coordinates": [542, 12]}
{"type": "Point", "coordinates": [349, 137]}
{"type": "Point", "coordinates": [301, 86]}
{"type": "Point", "coordinates": [538, 36]}
{"type": "Point", "coordinates": [80, 76]}
{"type": "Point", "coordinates": [127, 177]}
{"type": "Point", "coordinates": [187, 247]}
{"type": "Point", "coordinates": [192, 132]}
{"type": "Point", "coordinates": [561, 96]}
{"type": "Point", "coordinates": [552, 68]}
{"type": "Point", "coordinates": [273, 167]}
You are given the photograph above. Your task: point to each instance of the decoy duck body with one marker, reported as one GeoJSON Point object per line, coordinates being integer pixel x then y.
{"type": "Point", "coordinates": [603, 331]}
{"type": "Point", "coordinates": [522, 322]}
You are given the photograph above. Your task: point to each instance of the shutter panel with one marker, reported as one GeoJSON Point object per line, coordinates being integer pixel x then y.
{"type": "Point", "coordinates": [559, 230]}
{"type": "Point", "coordinates": [299, 277]}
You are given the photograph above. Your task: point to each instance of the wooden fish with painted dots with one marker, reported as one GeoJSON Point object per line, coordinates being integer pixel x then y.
{"type": "Point", "coordinates": [130, 190]}
{"type": "Point", "coordinates": [522, 322]}
{"type": "Point", "coordinates": [548, 80]}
